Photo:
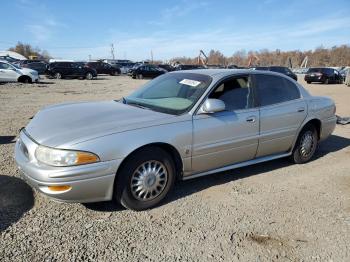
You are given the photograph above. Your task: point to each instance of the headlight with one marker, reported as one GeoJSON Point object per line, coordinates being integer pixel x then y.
{"type": "Point", "coordinates": [60, 157]}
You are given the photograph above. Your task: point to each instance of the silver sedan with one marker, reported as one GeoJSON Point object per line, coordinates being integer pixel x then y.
{"type": "Point", "coordinates": [181, 125]}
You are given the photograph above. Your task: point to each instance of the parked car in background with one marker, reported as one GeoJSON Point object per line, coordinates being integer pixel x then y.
{"type": "Point", "coordinates": [104, 68]}
{"type": "Point", "coordinates": [28, 61]}
{"type": "Point", "coordinates": [60, 70]}
{"type": "Point", "coordinates": [147, 71]}
{"type": "Point", "coordinates": [278, 69]}
{"type": "Point", "coordinates": [13, 73]}
{"type": "Point", "coordinates": [324, 75]}
{"type": "Point", "coordinates": [188, 67]}
{"type": "Point", "coordinates": [167, 67]}
{"type": "Point", "coordinates": [40, 67]}
{"type": "Point", "coordinates": [124, 67]}
{"type": "Point", "coordinates": [181, 125]}
{"type": "Point", "coordinates": [344, 72]}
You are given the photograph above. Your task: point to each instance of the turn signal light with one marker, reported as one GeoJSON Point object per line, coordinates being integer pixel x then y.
{"type": "Point", "coordinates": [59, 188]}
{"type": "Point", "coordinates": [86, 158]}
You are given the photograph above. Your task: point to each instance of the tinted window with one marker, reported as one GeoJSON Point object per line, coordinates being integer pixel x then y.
{"type": "Point", "coordinates": [235, 92]}
{"type": "Point", "coordinates": [316, 70]}
{"type": "Point", "coordinates": [274, 89]}
{"type": "Point", "coordinates": [4, 66]}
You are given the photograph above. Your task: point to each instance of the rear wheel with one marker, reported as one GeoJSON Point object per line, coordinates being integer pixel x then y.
{"type": "Point", "coordinates": [58, 75]}
{"type": "Point", "coordinates": [88, 76]}
{"type": "Point", "coordinates": [306, 145]}
{"type": "Point", "coordinates": [308, 82]}
{"type": "Point", "coordinates": [145, 179]}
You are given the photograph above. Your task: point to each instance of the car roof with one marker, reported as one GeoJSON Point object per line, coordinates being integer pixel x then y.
{"type": "Point", "coordinates": [221, 73]}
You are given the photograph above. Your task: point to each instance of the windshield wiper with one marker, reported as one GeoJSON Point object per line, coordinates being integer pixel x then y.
{"type": "Point", "coordinates": [138, 105]}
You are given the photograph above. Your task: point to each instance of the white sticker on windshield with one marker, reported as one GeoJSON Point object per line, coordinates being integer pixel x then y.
{"type": "Point", "coordinates": [190, 82]}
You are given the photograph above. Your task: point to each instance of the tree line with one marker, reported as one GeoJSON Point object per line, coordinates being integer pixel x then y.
{"type": "Point", "coordinates": [335, 56]}
{"type": "Point", "coordinates": [27, 50]}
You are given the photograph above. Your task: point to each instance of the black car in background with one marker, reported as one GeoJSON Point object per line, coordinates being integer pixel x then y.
{"type": "Point", "coordinates": [188, 67]}
{"type": "Point", "coordinates": [38, 66]}
{"type": "Point", "coordinates": [147, 71]}
{"type": "Point", "coordinates": [279, 69]}
{"type": "Point", "coordinates": [167, 67]}
{"type": "Point", "coordinates": [104, 68]}
{"type": "Point", "coordinates": [71, 70]}
{"type": "Point", "coordinates": [323, 75]}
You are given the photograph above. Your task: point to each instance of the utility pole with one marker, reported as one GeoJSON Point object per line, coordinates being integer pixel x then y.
{"type": "Point", "coordinates": [89, 58]}
{"type": "Point", "coordinates": [112, 51]}
{"type": "Point", "coordinates": [151, 56]}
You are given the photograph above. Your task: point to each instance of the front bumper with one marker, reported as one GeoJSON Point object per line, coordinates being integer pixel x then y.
{"type": "Point", "coordinates": [89, 183]}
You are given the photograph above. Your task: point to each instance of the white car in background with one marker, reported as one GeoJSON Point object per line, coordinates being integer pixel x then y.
{"type": "Point", "coordinates": [14, 73]}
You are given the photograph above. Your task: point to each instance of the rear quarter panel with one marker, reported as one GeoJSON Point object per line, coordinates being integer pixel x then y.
{"type": "Point", "coordinates": [323, 109]}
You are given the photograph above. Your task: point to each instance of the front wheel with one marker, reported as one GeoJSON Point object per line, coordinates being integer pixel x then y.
{"type": "Point", "coordinates": [145, 179]}
{"type": "Point", "coordinates": [306, 145]}
{"type": "Point", "coordinates": [88, 76]}
{"type": "Point", "coordinates": [140, 76]}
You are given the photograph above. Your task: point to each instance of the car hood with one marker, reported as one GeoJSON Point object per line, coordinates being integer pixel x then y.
{"type": "Point", "coordinates": [68, 124]}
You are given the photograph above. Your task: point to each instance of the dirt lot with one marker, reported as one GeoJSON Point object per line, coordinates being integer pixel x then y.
{"type": "Point", "coordinates": [274, 211]}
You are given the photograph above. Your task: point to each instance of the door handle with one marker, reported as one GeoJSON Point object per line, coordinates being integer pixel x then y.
{"type": "Point", "coordinates": [301, 109]}
{"type": "Point", "coordinates": [251, 119]}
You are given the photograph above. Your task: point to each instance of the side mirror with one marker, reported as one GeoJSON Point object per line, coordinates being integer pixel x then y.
{"type": "Point", "coordinates": [212, 106]}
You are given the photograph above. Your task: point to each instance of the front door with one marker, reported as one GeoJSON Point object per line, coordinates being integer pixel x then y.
{"type": "Point", "coordinates": [228, 137]}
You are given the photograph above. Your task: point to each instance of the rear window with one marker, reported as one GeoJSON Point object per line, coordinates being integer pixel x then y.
{"type": "Point", "coordinates": [274, 89]}
{"type": "Point", "coordinates": [318, 70]}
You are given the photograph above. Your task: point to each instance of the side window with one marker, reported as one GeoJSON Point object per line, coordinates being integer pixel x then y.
{"type": "Point", "coordinates": [274, 90]}
{"type": "Point", "coordinates": [4, 66]}
{"type": "Point", "coordinates": [235, 92]}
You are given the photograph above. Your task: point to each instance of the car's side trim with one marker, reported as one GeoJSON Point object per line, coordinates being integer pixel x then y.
{"type": "Point", "coordinates": [242, 164]}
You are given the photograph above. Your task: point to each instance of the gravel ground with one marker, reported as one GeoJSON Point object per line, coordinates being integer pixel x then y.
{"type": "Point", "coordinates": [274, 211]}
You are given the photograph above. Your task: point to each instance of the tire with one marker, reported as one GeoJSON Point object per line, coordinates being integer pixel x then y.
{"type": "Point", "coordinates": [306, 145]}
{"type": "Point", "coordinates": [126, 189]}
{"type": "Point", "coordinates": [139, 76]}
{"type": "Point", "coordinates": [89, 76]}
{"type": "Point", "coordinates": [25, 80]}
{"type": "Point", "coordinates": [58, 75]}
{"type": "Point", "coordinates": [115, 73]}
{"type": "Point", "coordinates": [308, 82]}
{"type": "Point", "coordinates": [326, 81]}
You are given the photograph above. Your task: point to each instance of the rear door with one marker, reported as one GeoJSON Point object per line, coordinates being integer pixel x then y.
{"type": "Point", "coordinates": [8, 73]}
{"type": "Point", "coordinates": [225, 138]}
{"type": "Point", "coordinates": [282, 111]}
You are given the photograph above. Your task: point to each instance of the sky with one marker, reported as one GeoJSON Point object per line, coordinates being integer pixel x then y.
{"type": "Point", "coordinates": [76, 29]}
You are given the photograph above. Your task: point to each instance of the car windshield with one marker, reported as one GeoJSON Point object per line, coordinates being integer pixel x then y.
{"type": "Point", "coordinates": [171, 93]}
